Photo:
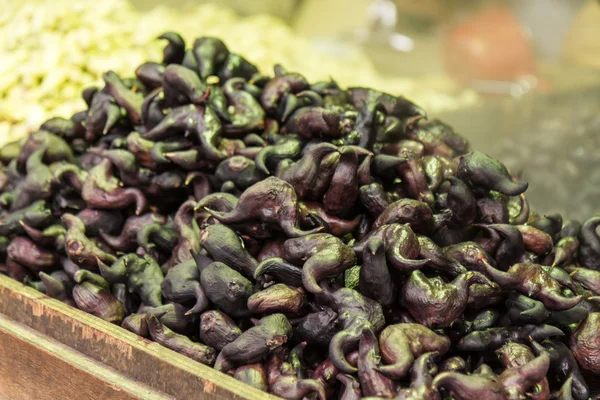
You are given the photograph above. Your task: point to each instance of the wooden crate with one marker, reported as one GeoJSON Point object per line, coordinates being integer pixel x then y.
{"type": "Point", "coordinates": [49, 350]}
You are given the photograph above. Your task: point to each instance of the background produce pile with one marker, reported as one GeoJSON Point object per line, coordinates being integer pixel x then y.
{"type": "Point", "coordinates": [52, 50]}
{"type": "Point", "coordinates": [307, 239]}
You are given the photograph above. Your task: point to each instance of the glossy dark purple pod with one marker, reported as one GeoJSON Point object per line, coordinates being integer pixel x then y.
{"type": "Point", "coordinates": [97, 300]}
{"type": "Point", "coordinates": [95, 221]}
{"type": "Point", "coordinates": [585, 344]}
{"type": "Point", "coordinates": [101, 190]}
{"type": "Point", "coordinates": [284, 382]}
{"type": "Point", "coordinates": [217, 329]}
{"type": "Point", "coordinates": [224, 245]}
{"type": "Point", "coordinates": [50, 237]}
{"type": "Point", "coordinates": [565, 251]}
{"type": "Point", "coordinates": [291, 102]}
{"type": "Point", "coordinates": [245, 111]}
{"type": "Point", "coordinates": [182, 86]}
{"type": "Point", "coordinates": [482, 296]}
{"type": "Point", "coordinates": [282, 270]}
{"type": "Point", "coordinates": [303, 174]}
{"type": "Point", "coordinates": [63, 127]}
{"type": "Point", "coordinates": [150, 74]}
{"type": "Point", "coordinates": [438, 138]}
{"type": "Point", "coordinates": [374, 198]}
{"type": "Point", "coordinates": [521, 380]}
{"type": "Point", "coordinates": [126, 241]}
{"type": "Point", "coordinates": [142, 275]}
{"type": "Point", "coordinates": [236, 66]}
{"type": "Point", "coordinates": [352, 390]}
{"type": "Point", "coordinates": [254, 375]}
{"type": "Point", "coordinates": [326, 372]}
{"type": "Point", "coordinates": [149, 154]}
{"type": "Point", "coordinates": [182, 284]}
{"type": "Point", "coordinates": [372, 382]}
{"type": "Point", "coordinates": [482, 171]}
{"type": "Point", "coordinates": [157, 239]}
{"type": "Point", "coordinates": [327, 169]}
{"type": "Point", "coordinates": [551, 223]}
{"type": "Point", "coordinates": [323, 256]}
{"type": "Point", "coordinates": [16, 271]}
{"type": "Point", "coordinates": [492, 208]}
{"type": "Point", "coordinates": [36, 215]}
{"type": "Point", "coordinates": [58, 285]}
{"type": "Point", "coordinates": [401, 246]}
{"type": "Point", "coordinates": [56, 149]}
{"type": "Point", "coordinates": [563, 366]}
{"type": "Point", "coordinates": [368, 123]}
{"type": "Point", "coordinates": [415, 181]}
{"type": "Point", "coordinates": [137, 323]}
{"type": "Point", "coordinates": [286, 147]}
{"type": "Point", "coordinates": [438, 169]}
{"type": "Point", "coordinates": [570, 227]}
{"type": "Point", "coordinates": [189, 234]}
{"type": "Point", "coordinates": [461, 201]}
{"type": "Point", "coordinates": [455, 364]}
{"type": "Point", "coordinates": [535, 240]}
{"type": "Point", "coordinates": [67, 173]}
{"type": "Point", "coordinates": [200, 184]}
{"type": "Point", "coordinates": [314, 122]}
{"type": "Point", "coordinates": [175, 48]}
{"type": "Point", "coordinates": [356, 314]}
{"type": "Point", "coordinates": [240, 170]}
{"type": "Point", "coordinates": [402, 343]}
{"type": "Point", "coordinates": [438, 260]}
{"type": "Point", "coordinates": [523, 310]}
{"type": "Point", "coordinates": [470, 255]}
{"type": "Point", "coordinates": [152, 113]}
{"type": "Point", "coordinates": [516, 356]}
{"type": "Point", "coordinates": [588, 278]}
{"type": "Point", "coordinates": [589, 244]}
{"type": "Point", "coordinates": [494, 338]}
{"type": "Point", "coordinates": [279, 298]}
{"type": "Point", "coordinates": [37, 182]}
{"type": "Point", "coordinates": [210, 54]}
{"type": "Point", "coordinates": [509, 246]}
{"type": "Point", "coordinates": [79, 248]}
{"type": "Point", "coordinates": [481, 385]}
{"type": "Point", "coordinates": [312, 211]}
{"type": "Point", "coordinates": [125, 162]}
{"type": "Point", "coordinates": [437, 304]}
{"type": "Point", "coordinates": [190, 159]}
{"type": "Point", "coordinates": [172, 315]}
{"type": "Point", "coordinates": [272, 332]}
{"type": "Point", "coordinates": [536, 281]}
{"type": "Point", "coordinates": [376, 282]}
{"type": "Point", "coordinates": [407, 211]}
{"type": "Point", "coordinates": [421, 375]}
{"type": "Point", "coordinates": [396, 106]}
{"type": "Point", "coordinates": [226, 288]}
{"type": "Point", "coordinates": [123, 96]}
{"type": "Point", "coordinates": [272, 201]}
{"type": "Point", "coordinates": [277, 87]}
{"type": "Point", "coordinates": [31, 256]}
{"type": "Point", "coordinates": [343, 187]}
{"type": "Point", "coordinates": [180, 343]}
{"type": "Point", "coordinates": [318, 327]}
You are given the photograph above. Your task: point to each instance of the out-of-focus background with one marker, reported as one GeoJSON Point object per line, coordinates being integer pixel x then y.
{"type": "Point", "coordinates": [519, 78]}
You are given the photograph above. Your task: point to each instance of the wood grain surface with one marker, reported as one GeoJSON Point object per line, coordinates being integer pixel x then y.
{"type": "Point", "coordinates": [35, 367]}
{"type": "Point", "coordinates": [130, 356]}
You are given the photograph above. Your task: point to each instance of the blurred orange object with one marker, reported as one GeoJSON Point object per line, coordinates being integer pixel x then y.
{"type": "Point", "coordinates": [490, 45]}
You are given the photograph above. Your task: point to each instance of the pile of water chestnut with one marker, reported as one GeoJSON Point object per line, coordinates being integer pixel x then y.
{"type": "Point", "coordinates": [310, 241]}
